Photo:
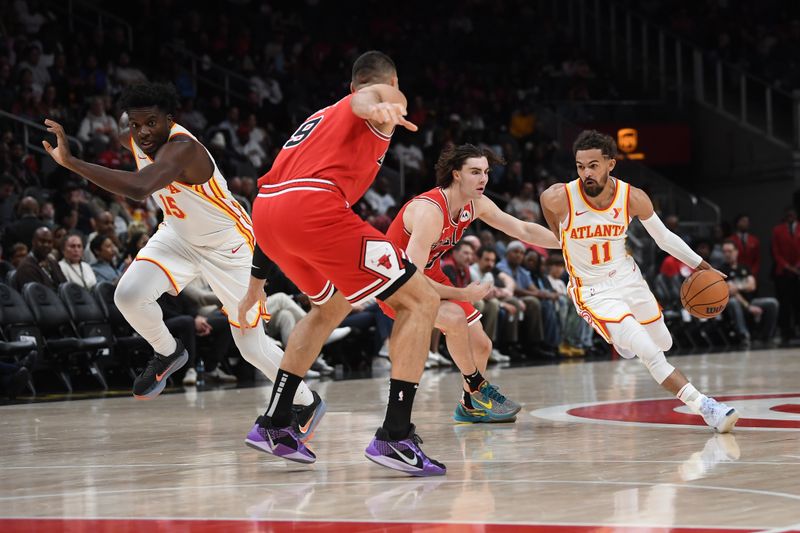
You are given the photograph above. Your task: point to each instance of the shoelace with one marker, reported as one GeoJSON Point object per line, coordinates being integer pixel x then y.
{"type": "Point", "coordinates": [491, 392]}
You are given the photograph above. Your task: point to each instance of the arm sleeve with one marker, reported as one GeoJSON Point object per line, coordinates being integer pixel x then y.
{"type": "Point", "coordinates": [261, 264]}
{"type": "Point", "coordinates": [670, 243]}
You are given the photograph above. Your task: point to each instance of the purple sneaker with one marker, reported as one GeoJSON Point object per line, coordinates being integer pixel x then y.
{"type": "Point", "coordinates": [280, 442]}
{"type": "Point", "coordinates": [404, 455]}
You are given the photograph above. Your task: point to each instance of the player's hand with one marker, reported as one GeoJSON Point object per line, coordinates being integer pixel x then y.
{"type": "Point", "coordinates": [705, 266]}
{"type": "Point", "coordinates": [255, 295]}
{"type": "Point", "coordinates": [201, 326]}
{"type": "Point", "coordinates": [474, 292]}
{"type": "Point", "coordinates": [61, 152]}
{"type": "Point", "coordinates": [389, 114]}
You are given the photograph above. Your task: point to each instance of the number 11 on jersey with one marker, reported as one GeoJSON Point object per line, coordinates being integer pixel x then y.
{"type": "Point", "coordinates": [596, 255]}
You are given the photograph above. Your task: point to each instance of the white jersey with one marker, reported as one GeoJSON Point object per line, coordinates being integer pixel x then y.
{"type": "Point", "coordinates": [205, 215]}
{"type": "Point", "coordinates": [593, 240]}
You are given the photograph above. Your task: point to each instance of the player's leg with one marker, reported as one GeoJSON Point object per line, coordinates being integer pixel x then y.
{"type": "Point", "coordinates": [228, 274]}
{"type": "Point", "coordinates": [161, 266]}
{"type": "Point", "coordinates": [631, 335]}
{"type": "Point", "coordinates": [470, 348]}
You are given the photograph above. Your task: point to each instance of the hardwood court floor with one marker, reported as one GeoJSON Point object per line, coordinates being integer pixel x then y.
{"type": "Point", "coordinates": [585, 454]}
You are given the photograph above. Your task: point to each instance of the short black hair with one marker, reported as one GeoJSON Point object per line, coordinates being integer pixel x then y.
{"type": "Point", "coordinates": [486, 250]}
{"type": "Point", "coordinates": [454, 157]}
{"type": "Point", "coordinates": [739, 217]}
{"type": "Point", "coordinates": [164, 96]}
{"type": "Point", "coordinates": [97, 243]}
{"type": "Point", "coordinates": [460, 244]}
{"type": "Point", "coordinates": [373, 67]}
{"type": "Point", "coordinates": [593, 139]}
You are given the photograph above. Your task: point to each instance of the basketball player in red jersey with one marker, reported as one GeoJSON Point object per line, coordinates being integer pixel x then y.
{"type": "Point", "coordinates": [431, 224]}
{"type": "Point", "coordinates": [591, 217]}
{"type": "Point", "coordinates": [303, 222]}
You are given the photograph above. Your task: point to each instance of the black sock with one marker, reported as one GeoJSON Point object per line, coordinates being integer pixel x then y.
{"type": "Point", "coordinates": [468, 400]}
{"type": "Point", "coordinates": [280, 403]}
{"type": "Point", "coordinates": [398, 411]}
{"type": "Point", "coordinates": [473, 380]}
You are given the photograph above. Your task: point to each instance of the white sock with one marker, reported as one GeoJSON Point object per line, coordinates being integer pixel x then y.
{"type": "Point", "coordinates": [691, 397]}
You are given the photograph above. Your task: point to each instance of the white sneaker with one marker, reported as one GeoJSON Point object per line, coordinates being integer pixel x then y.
{"type": "Point", "coordinates": [384, 351]}
{"type": "Point", "coordinates": [312, 374]}
{"type": "Point", "coordinates": [381, 363]}
{"type": "Point", "coordinates": [190, 379]}
{"type": "Point", "coordinates": [497, 357]}
{"type": "Point", "coordinates": [718, 415]}
{"type": "Point", "coordinates": [438, 359]}
{"type": "Point", "coordinates": [321, 366]}
{"type": "Point", "coordinates": [338, 334]}
{"type": "Point", "coordinates": [220, 375]}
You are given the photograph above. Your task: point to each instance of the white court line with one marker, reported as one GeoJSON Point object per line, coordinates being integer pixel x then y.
{"type": "Point", "coordinates": [97, 493]}
{"type": "Point", "coordinates": [359, 462]}
{"type": "Point", "coordinates": [370, 520]}
{"type": "Point", "coordinates": [781, 529]}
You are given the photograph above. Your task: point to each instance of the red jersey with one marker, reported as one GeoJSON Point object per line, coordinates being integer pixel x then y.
{"type": "Point", "coordinates": [335, 145]}
{"type": "Point", "coordinates": [452, 230]}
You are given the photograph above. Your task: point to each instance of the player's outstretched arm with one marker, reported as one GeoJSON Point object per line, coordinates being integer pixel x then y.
{"type": "Point", "coordinates": [487, 210]}
{"type": "Point", "coordinates": [171, 163]}
{"type": "Point", "coordinates": [554, 206]}
{"type": "Point", "coordinates": [424, 222]}
{"type": "Point", "coordinates": [639, 205]}
{"type": "Point", "coordinates": [383, 105]}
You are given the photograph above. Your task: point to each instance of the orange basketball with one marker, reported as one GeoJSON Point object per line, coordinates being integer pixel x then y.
{"type": "Point", "coordinates": [704, 294]}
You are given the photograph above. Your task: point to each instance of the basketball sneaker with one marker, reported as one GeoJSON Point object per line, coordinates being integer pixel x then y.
{"type": "Point", "coordinates": [153, 378]}
{"type": "Point", "coordinates": [280, 442]}
{"type": "Point", "coordinates": [488, 405]}
{"type": "Point", "coordinates": [718, 415]}
{"type": "Point", "coordinates": [404, 455]}
{"type": "Point", "coordinates": [307, 417]}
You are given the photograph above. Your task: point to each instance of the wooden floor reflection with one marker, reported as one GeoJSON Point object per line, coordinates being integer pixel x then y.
{"type": "Point", "coordinates": [182, 456]}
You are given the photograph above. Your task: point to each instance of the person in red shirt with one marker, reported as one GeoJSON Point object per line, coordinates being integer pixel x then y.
{"type": "Point", "coordinates": [786, 253]}
{"type": "Point", "coordinates": [303, 221]}
{"type": "Point", "coordinates": [434, 222]}
{"type": "Point", "coordinates": [748, 244]}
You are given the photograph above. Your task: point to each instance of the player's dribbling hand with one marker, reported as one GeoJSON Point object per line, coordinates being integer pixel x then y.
{"type": "Point", "coordinates": [705, 266]}
{"type": "Point", "coordinates": [391, 114]}
{"type": "Point", "coordinates": [61, 152]}
{"type": "Point", "coordinates": [475, 291]}
{"type": "Point", "coordinates": [255, 295]}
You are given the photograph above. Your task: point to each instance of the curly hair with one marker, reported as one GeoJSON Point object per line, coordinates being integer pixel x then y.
{"type": "Point", "coordinates": [453, 158]}
{"type": "Point", "coordinates": [161, 95]}
{"type": "Point", "coordinates": [593, 139]}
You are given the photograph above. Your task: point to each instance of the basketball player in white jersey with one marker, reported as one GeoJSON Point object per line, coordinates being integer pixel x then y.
{"type": "Point", "coordinates": [205, 233]}
{"type": "Point", "coordinates": [590, 216]}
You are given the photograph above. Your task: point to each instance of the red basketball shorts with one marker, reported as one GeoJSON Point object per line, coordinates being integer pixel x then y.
{"type": "Point", "coordinates": [309, 231]}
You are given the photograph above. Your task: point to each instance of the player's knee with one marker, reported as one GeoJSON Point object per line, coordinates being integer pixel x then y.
{"type": "Point", "coordinates": [658, 366]}
{"type": "Point", "coordinates": [127, 296]}
{"type": "Point", "coordinates": [450, 317]}
{"type": "Point", "coordinates": [661, 337]}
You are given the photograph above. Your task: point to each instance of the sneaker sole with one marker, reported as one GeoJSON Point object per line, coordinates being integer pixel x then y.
{"type": "Point", "coordinates": [296, 457]}
{"type": "Point", "coordinates": [484, 420]}
{"type": "Point", "coordinates": [729, 422]}
{"type": "Point", "coordinates": [400, 466]}
{"type": "Point", "coordinates": [322, 408]}
{"type": "Point", "coordinates": [159, 385]}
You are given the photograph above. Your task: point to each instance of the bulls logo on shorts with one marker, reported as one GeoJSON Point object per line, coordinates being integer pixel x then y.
{"type": "Point", "coordinates": [381, 258]}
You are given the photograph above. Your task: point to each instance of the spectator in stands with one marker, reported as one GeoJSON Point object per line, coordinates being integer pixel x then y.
{"type": "Point", "coordinates": [378, 196]}
{"type": "Point", "coordinates": [33, 61]}
{"type": "Point", "coordinates": [457, 270]}
{"type": "Point", "coordinates": [525, 290]}
{"type": "Point", "coordinates": [547, 298]}
{"type": "Point", "coordinates": [75, 269]}
{"type": "Point", "coordinates": [38, 265]}
{"type": "Point", "coordinates": [22, 230]}
{"type": "Point", "coordinates": [73, 210]}
{"type": "Point", "coordinates": [743, 302]}
{"type": "Point", "coordinates": [500, 315]}
{"type": "Point", "coordinates": [47, 214]}
{"type": "Point", "coordinates": [103, 225]}
{"type": "Point", "coordinates": [748, 244]}
{"type": "Point", "coordinates": [17, 254]}
{"type": "Point", "coordinates": [786, 254]}
{"type": "Point", "coordinates": [105, 253]}
{"type": "Point", "coordinates": [192, 119]}
{"type": "Point", "coordinates": [524, 206]}
{"type": "Point", "coordinates": [8, 200]}
{"type": "Point", "coordinates": [97, 127]}
{"type": "Point", "coordinates": [125, 74]}
{"type": "Point", "coordinates": [577, 334]}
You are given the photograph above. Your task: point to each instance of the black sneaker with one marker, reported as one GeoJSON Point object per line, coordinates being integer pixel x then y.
{"type": "Point", "coordinates": [153, 379]}
{"type": "Point", "coordinates": [307, 417]}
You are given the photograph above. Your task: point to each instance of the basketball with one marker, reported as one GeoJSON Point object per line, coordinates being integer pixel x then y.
{"type": "Point", "coordinates": [704, 294]}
